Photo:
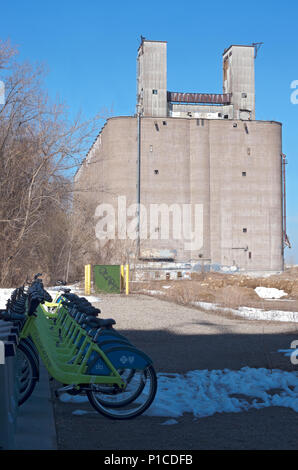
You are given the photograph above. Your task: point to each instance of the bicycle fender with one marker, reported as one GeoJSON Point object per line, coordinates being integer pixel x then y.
{"type": "Point", "coordinates": [127, 357]}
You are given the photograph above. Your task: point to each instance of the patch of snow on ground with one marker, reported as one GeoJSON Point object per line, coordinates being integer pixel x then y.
{"type": "Point", "coordinates": [91, 298]}
{"type": "Point", "coordinates": [82, 412]}
{"type": "Point", "coordinates": [67, 398]}
{"type": "Point", "coordinates": [206, 305]}
{"type": "Point", "coordinates": [267, 315]}
{"type": "Point", "coordinates": [270, 293]}
{"type": "Point", "coordinates": [4, 296]}
{"type": "Point", "coordinates": [169, 422]}
{"type": "Point", "coordinates": [153, 292]}
{"type": "Point", "coordinates": [204, 393]}
{"type": "Point", "coordinates": [252, 313]}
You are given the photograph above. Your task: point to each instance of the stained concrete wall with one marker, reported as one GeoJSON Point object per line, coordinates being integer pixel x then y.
{"type": "Point", "coordinates": [152, 78]}
{"type": "Point", "coordinates": [239, 80]}
{"type": "Point", "coordinates": [231, 167]}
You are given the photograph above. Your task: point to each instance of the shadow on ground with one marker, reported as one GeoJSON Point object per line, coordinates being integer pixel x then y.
{"type": "Point", "coordinates": [270, 428]}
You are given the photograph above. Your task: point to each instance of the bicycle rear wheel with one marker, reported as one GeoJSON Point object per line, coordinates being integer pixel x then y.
{"type": "Point", "coordinates": [128, 403]}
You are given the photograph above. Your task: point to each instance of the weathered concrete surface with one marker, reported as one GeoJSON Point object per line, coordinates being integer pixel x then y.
{"type": "Point", "coordinates": [229, 168]}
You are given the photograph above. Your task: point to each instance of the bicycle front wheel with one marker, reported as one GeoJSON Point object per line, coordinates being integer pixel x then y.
{"type": "Point", "coordinates": [114, 397]}
{"type": "Point", "coordinates": [129, 403]}
{"type": "Point", "coordinates": [27, 373]}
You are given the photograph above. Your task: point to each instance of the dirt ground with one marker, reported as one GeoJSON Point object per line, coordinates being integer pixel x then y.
{"type": "Point", "coordinates": [181, 339]}
{"type": "Point", "coordinates": [227, 290]}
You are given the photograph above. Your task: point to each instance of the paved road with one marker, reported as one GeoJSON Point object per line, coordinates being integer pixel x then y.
{"type": "Point", "coordinates": [180, 339]}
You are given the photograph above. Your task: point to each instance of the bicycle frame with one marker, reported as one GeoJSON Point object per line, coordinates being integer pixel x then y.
{"type": "Point", "coordinates": [53, 304]}
{"type": "Point", "coordinates": [38, 328]}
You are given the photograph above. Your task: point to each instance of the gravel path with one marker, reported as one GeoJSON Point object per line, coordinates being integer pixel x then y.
{"type": "Point", "coordinates": [181, 339]}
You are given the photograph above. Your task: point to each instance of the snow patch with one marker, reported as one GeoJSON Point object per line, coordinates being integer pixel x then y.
{"type": "Point", "coordinates": [67, 398]}
{"type": "Point", "coordinates": [252, 313]}
{"type": "Point", "coordinates": [82, 412]}
{"type": "Point", "coordinates": [270, 293]}
{"type": "Point", "coordinates": [169, 422]}
{"type": "Point", "coordinates": [4, 296]}
{"type": "Point", "coordinates": [206, 392]}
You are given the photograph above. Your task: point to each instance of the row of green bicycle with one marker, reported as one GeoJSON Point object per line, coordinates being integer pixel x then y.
{"type": "Point", "coordinates": [80, 350]}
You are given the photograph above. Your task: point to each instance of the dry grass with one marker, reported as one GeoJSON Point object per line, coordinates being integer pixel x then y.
{"type": "Point", "coordinates": [231, 291]}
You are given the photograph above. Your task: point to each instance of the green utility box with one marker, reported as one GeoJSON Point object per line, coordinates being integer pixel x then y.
{"type": "Point", "coordinates": [107, 278]}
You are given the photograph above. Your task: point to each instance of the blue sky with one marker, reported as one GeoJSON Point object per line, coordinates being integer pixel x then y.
{"type": "Point", "coordinates": [90, 50]}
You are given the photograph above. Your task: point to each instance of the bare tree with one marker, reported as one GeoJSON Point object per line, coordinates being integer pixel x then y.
{"type": "Point", "coordinates": [38, 148]}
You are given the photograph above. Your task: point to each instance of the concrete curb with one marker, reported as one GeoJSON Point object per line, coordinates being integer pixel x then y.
{"type": "Point", "coordinates": [36, 428]}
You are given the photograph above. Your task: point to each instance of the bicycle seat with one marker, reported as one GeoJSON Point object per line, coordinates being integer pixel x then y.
{"type": "Point", "coordinates": [71, 297]}
{"type": "Point", "coordinates": [89, 310]}
{"type": "Point", "coordinates": [82, 302]}
{"type": "Point", "coordinates": [99, 322]}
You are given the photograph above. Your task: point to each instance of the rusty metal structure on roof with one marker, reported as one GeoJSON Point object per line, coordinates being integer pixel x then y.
{"type": "Point", "coordinates": [208, 98]}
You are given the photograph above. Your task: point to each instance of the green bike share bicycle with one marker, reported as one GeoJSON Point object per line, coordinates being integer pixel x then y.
{"type": "Point", "coordinates": [83, 352]}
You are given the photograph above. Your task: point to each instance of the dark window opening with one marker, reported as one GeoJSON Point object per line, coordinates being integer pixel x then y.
{"type": "Point", "coordinates": [244, 230]}
{"type": "Point", "coordinates": [164, 123]}
{"type": "Point", "coordinates": [249, 254]}
{"type": "Point", "coordinates": [156, 172]}
{"type": "Point", "coordinates": [154, 92]}
{"type": "Point", "coordinates": [226, 116]}
{"type": "Point", "coordinates": [243, 173]}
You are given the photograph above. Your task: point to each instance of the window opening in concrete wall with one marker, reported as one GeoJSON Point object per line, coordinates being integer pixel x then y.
{"type": "Point", "coordinates": [156, 172]}
{"type": "Point", "coordinates": [244, 230]}
{"type": "Point", "coordinates": [154, 92]}
{"type": "Point", "coordinates": [243, 173]}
